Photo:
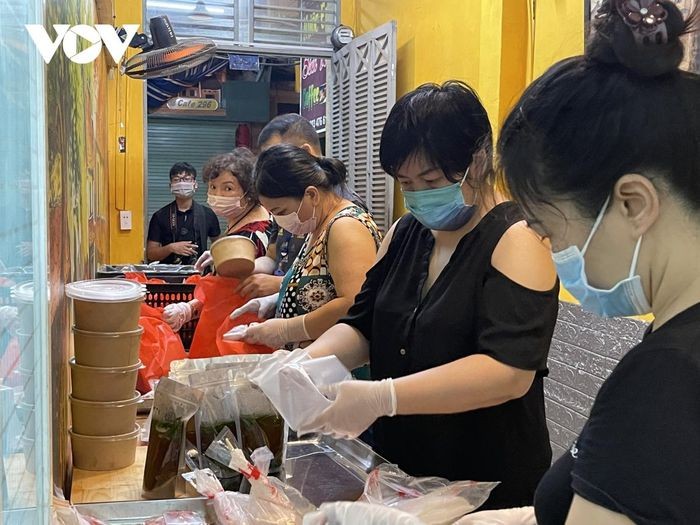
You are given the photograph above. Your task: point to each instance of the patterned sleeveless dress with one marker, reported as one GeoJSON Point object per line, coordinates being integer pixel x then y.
{"type": "Point", "coordinates": [308, 284]}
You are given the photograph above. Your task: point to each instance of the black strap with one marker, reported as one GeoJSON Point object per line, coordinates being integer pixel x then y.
{"type": "Point", "coordinates": [200, 224]}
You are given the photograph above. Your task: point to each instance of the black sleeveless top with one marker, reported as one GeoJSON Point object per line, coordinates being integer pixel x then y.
{"type": "Point", "coordinates": [471, 308]}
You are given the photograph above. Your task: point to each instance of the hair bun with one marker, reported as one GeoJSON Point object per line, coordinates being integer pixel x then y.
{"type": "Point", "coordinates": [641, 35]}
{"type": "Point", "coordinates": [335, 170]}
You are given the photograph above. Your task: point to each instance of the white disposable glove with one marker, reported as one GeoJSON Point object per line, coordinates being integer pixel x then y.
{"type": "Point", "coordinates": [356, 405]}
{"type": "Point", "coordinates": [517, 516]}
{"type": "Point", "coordinates": [177, 314]}
{"type": "Point", "coordinates": [263, 307]}
{"type": "Point", "coordinates": [205, 260]}
{"type": "Point", "coordinates": [265, 265]}
{"type": "Point", "coordinates": [273, 333]}
{"type": "Point", "coordinates": [351, 513]}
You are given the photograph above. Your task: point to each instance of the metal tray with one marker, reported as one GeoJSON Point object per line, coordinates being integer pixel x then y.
{"type": "Point", "coordinates": [321, 468]}
{"type": "Point", "coordinates": [137, 512]}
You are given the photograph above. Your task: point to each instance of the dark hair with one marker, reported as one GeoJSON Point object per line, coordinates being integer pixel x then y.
{"type": "Point", "coordinates": [623, 107]}
{"type": "Point", "coordinates": [182, 167]}
{"type": "Point", "coordinates": [447, 124]}
{"type": "Point", "coordinates": [288, 126]}
{"type": "Point", "coordinates": [240, 163]}
{"type": "Point", "coordinates": [286, 171]}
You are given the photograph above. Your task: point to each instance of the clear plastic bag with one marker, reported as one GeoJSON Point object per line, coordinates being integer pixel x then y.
{"type": "Point", "coordinates": [293, 386]}
{"type": "Point", "coordinates": [218, 408]}
{"type": "Point", "coordinates": [260, 424]}
{"type": "Point", "coordinates": [233, 508]}
{"type": "Point", "coordinates": [514, 516]}
{"type": "Point", "coordinates": [181, 370]}
{"type": "Point", "coordinates": [177, 517]}
{"type": "Point", "coordinates": [173, 405]}
{"type": "Point", "coordinates": [353, 512]}
{"type": "Point", "coordinates": [434, 500]}
{"type": "Point", "coordinates": [224, 450]}
{"type": "Point", "coordinates": [217, 411]}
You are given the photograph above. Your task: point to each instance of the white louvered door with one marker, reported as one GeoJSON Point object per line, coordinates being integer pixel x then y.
{"type": "Point", "coordinates": [362, 91]}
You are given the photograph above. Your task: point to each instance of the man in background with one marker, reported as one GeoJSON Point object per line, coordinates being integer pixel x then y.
{"type": "Point", "coordinates": [178, 232]}
{"type": "Point", "coordinates": [284, 247]}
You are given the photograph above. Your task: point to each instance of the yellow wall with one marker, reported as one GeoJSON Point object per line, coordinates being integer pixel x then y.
{"type": "Point", "coordinates": [126, 170]}
{"type": "Point", "coordinates": [559, 32]}
{"type": "Point", "coordinates": [485, 43]}
{"type": "Point", "coordinates": [497, 46]}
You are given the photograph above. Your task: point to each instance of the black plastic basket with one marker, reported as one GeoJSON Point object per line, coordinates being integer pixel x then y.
{"type": "Point", "coordinates": [160, 295]}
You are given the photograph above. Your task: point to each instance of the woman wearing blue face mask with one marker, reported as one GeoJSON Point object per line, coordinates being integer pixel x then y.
{"type": "Point", "coordinates": [299, 190]}
{"type": "Point", "coordinates": [456, 316]}
{"type": "Point", "coordinates": [603, 151]}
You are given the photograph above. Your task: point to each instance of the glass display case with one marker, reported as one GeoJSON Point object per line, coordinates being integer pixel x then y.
{"type": "Point", "coordinates": [25, 444]}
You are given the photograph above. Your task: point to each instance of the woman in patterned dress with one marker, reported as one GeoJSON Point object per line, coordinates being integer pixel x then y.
{"type": "Point", "coordinates": [341, 245]}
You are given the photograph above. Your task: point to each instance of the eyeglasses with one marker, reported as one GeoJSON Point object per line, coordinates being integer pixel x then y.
{"type": "Point", "coordinates": [183, 178]}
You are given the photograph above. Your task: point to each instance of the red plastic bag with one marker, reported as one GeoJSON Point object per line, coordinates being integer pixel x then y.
{"type": "Point", "coordinates": [193, 279]}
{"type": "Point", "coordinates": [151, 311]}
{"type": "Point", "coordinates": [219, 299]}
{"type": "Point", "coordinates": [140, 277]}
{"type": "Point", "coordinates": [159, 347]}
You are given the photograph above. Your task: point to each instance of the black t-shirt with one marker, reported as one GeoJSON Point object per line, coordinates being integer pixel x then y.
{"type": "Point", "coordinates": [639, 452]}
{"type": "Point", "coordinates": [185, 227]}
{"type": "Point", "coordinates": [287, 247]}
{"type": "Point", "coordinates": [471, 308]}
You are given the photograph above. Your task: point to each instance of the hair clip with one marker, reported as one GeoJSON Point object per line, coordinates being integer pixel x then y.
{"type": "Point", "coordinates": [646, 18]}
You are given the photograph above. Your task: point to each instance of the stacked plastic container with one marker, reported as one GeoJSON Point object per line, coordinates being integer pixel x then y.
{"type": "Point", "coordinates": [104, 372]}
{"type": "Point", "coordinates": [23, 298]}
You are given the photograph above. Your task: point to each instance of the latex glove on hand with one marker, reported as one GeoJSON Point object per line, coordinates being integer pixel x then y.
{"type": "Point", "coordinates": [273, 333]}
{"type": "Point", "coordinates": [205, 260]}
{"type": "Point", "coordinates": [265, 265]}
{"type": "Point", "coordinates": [177, 314]}
{"type": "Point", "coordinates": [517, 516]}
{"type": "Point", "coordinates": [352, 512]}
{"type": "Point", "coordinates": [356, 405]}
{"type": "Point", "coordinates": [263, 307]}
{"type": "Point", "coordinates": [259, 285]}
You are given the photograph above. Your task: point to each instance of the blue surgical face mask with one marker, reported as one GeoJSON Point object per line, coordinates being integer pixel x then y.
{"type": "Point", "coordinates": [440, 208]}
{"type": "Point", "coordinates": [625, 298]}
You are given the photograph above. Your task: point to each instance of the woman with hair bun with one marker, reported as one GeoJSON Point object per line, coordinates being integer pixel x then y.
{"type": "Point", "coordinates": [603, 154]}
{"type": "Point", "coordinates": [341, 244]}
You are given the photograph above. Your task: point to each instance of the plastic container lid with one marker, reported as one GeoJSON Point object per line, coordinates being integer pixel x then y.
{"type": "Point", "coordinates": [24, 292]}
{"type": "Point", "coordinates": [106, 290]}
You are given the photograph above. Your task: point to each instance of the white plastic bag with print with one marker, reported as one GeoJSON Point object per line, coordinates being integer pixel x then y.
{"type": "Point", "coordinates": [434, 500]}
{"type": "Point", "coordinates": [294, 386]}
{"type": "Point", "coordinates": [270, 501]}
{"type": "Point", "coordinates": [234, 508]}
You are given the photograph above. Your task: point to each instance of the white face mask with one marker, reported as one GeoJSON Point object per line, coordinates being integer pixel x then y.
{"type": "Point", "coordinates": [294, 225]}
{"type": "Point", "coordinates": [225, 206]}
{"type": "Point", "coordinates": [182, 189]}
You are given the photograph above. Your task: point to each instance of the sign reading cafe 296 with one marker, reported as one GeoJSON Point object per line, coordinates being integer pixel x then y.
{"type": "Point", "coordinates": [95, 35]}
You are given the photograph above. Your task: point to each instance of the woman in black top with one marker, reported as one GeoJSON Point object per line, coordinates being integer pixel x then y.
{"type": "Point", "coordinates": [459, 310]}
{"type": "Point", "coordinates": [603, 152]}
